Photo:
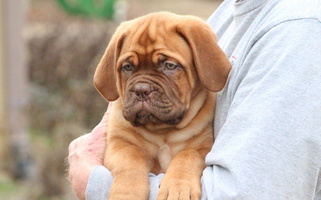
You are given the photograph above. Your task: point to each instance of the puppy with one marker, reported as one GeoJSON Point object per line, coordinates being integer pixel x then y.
{"type": "Point", "coordinates": [161, 71]}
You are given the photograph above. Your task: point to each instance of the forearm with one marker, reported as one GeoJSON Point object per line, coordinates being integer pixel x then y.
{"type": "Point", "coordinates": [78, 180]}
{"type": "Point", "coordinates": [85, 154]}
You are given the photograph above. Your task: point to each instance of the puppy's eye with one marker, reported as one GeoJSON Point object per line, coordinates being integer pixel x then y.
{"type": "Point", "coordinates": [127, 67]}
{"type": "Point", "coordinates": [170, 65]}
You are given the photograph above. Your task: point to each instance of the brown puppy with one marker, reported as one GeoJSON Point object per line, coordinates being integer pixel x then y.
{"type": "Point", "coordinates": [161, 71]}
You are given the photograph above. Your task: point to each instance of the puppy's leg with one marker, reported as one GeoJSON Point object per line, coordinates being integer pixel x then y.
{"type": "Point", "coordinates": [130, 170]}
{"type": "Point", "coordinates": [183, 177]}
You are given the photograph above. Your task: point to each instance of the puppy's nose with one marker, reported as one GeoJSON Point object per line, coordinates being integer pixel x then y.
{"type": "Point", "coordinates": [142, 90]}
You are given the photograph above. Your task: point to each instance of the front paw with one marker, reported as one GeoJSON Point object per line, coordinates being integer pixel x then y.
{"type": "Point", "coordinates": [179, 188]}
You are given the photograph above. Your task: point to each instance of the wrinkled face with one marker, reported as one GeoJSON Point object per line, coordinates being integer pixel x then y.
{"type": "Point", "coordinates": [157, 64]}
{"type": "Point", "coordinates": [155, 75]}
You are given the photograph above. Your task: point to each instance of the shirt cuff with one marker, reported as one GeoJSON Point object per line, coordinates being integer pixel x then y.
{"type": "Point", "coordinates": [99, 184]}
{"type": "Point", "coordinates": [154, 182]}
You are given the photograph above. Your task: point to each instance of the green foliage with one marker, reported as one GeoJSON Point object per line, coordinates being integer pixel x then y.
{"type": "Point", "coordinates": [92, 8]}
{"type": "Point", "coordinates": [7, 186]}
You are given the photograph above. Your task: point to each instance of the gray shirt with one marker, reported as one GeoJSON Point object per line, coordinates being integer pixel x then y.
{"type": "Point", "coordinates": [268, 117]}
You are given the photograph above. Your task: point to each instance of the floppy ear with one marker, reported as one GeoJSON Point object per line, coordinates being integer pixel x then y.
{"type": "Point", "coordinates": [105, 75]}
{"type": "Point", "coordinates": [211, 63]}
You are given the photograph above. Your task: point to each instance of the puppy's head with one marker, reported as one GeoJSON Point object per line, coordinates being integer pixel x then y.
{"type": "Point", "coordinates": [157, 63]}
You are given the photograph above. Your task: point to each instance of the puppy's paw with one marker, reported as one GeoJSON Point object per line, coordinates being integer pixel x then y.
{"type": "Point", "coordinates": [179, 188]}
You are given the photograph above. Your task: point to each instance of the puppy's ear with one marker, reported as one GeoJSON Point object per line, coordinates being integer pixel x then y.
{"type": "Point", "coordinates": [105, 75]}
{"type": "Point", "coordinates": [211, 63]}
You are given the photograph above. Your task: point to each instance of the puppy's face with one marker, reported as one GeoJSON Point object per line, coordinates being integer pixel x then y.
{"type": "Point", "coordinates": [155, 72]}
{"type": "Point", "coordinates": [157, 64]}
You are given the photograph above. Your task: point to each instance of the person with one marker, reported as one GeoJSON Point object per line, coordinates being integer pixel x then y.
{"type": "Point", "coordinates": [268, 117]}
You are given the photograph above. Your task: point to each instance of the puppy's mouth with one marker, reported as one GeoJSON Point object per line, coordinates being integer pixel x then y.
{"type": "Point", "coordinates": [154, 107]}
{"type": "Point", "coordinates": [144, 117]}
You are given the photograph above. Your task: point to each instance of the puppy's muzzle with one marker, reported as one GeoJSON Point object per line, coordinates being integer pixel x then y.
{"type": "Point", "coordinates": [151, 101]}
{"type": "Point", "coordinates": [142, 91]}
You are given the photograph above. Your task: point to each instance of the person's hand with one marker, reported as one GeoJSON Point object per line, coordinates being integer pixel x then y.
{"type": "Point", "coordinates": [86, 153]}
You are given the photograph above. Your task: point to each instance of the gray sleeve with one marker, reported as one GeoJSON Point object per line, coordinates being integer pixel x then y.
{"type": "Point", "coordinates": [269, 145]}
{"type": "Point", "coordinates": [99, 184]}
{"type": "Point", "coordinates": [100, 181]}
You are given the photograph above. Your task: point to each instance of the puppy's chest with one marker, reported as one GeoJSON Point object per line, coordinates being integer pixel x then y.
{"type": "Point", "coordinates": [162, 156]}
{"type": "Point", "coordinates": [162, 148]}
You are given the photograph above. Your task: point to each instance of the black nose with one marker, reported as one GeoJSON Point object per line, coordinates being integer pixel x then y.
{"type": "Point", "coordinates": [142, 90]}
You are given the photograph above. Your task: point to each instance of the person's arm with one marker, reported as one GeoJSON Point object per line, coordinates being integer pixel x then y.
{"type": "Point", "coordinates": [100, 182]}
{"type": "Point", "coordinates": [269, 146]}
{"type": "Point", "coordinates": [89, 179]}
{"type": "Point", "coordinates": [86, 154]}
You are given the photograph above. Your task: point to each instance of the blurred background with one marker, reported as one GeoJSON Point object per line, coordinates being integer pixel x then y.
{"type": "Point", "coordinates": [49, 50]}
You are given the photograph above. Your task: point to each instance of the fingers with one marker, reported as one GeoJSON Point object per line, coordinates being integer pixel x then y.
{"type": "Point", "coordinates": [88, 148]}
{"type": "Point", "coordinates": [106, 114]}
{"type": "Point", "coordinates": [93, 142]}
{"type": "Point", "coordinates": [74, 144]}
{"type": "Point", "coordinates": [81, 163]}
{"type": "Point", "coordinates": [109, 107]}
{"type": "Point", "coordinates": [101, 128]}
{"type": "Point", "coordinates": [104, 120]}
